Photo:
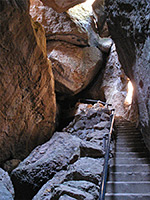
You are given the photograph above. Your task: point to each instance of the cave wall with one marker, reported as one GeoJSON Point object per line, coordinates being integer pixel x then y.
{"type": "Point", "coordinates": [129, 25]}
{"type": "Point", "coordinates": [27, 97]}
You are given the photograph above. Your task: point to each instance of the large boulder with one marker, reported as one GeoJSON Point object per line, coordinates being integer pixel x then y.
{"type": "Point", "coordinates": [46, 160]}
{"type": "Point", "coordinates": [61, 5]}
{"type": "Point", "coordinates": [6, 187]}
{"type": "Point", "coordinates": [73, 67]}
{"type": "Point", "coordinates": [58, 26]}
{"type": "Point", "coordinates": [27, 98]}
{"type": "Point", "coordinates": [130, 29]}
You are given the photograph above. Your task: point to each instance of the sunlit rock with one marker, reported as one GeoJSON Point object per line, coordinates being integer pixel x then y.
{"type": "Point", "coordinates": [58, 26]}
{"type": "Point", "coordinates": [73, 67]}
{"type": "Point", "coordinates": [61, 5]}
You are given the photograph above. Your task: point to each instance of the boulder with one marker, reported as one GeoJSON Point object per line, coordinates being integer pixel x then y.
{"type": "Point", "coordinates": [86, 168]}
{"type": "Point", "coordinates": [73, 67]}
{"type": "Point", "coordinates": [129, 26]}
{"type": "Point", "coordinates": [27, 97]}
{"type": "Point", "coordinates": [44, 162]}
{"type": "Point", "coordinates": [61, 5]}
{"type": "Point", "coordinates": [6, 187]}
{"type": "Point", "coordinates": [58, 26]}
{"type": "Point", "coordinates": [78, 181]}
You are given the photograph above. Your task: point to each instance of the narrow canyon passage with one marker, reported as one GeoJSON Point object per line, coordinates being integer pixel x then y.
{"type": "Point", "coordinates": [64, 67]}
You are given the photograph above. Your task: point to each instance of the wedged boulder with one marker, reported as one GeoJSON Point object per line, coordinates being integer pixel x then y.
{"type": "Point", "coordinates": [58, 26]}
{"type": "Point", "coordinates": [61, 5]}
{"type": "Point", "coordinates": [74, 67]}
{"type": "Point", "coordinates": [43, 162]}
{"type": "Point", "coordinates": [129, 26]}
{"type": "Point", "coordinates": [27, 97]}
{"type": "Point", "coordinates": [6, 187]}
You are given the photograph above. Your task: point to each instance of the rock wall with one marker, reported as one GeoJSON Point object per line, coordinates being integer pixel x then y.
{"type": "Point", "coordinates": [129, 25]}
{"type": "Point", "coordinates": [27, 98]}
{"type": "Point", "coordinates": [70, 164]}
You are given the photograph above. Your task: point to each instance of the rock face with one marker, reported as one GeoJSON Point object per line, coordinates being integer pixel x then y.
{"type": "Point", "coordinates": [74, 67]}
{"type": "Point", "coordinates": [6, 187]}
{"type": "Point", "coordinates": [70, 163]}
{"type": "Point", "coordinates": [130, 29]}
{"type": "Point", "coordinates": [58, 26]}
{"type": "Point", "coordinates": [61, 5]}
{"type": "Point", "coordinates": [27, 98]}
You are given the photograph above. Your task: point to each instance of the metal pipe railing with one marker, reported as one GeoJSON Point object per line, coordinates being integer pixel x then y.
{"type": "Point", "coordinates": [94, 101]}
{"type": "Point", "coordinates": [105, 169]}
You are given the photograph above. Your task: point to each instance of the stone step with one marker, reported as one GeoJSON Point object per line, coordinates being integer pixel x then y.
{"type": "Point", "coordinates": [128, 187]}
{"type": "Point", "coordinates": [127, 140]}
{"type": "Point", "coordinates": [129, 176]}
{"type": "Point", "coordinates": [131, 155]}
{"type": "Point", "coordinates": [130, 149]}
{"type": "Point", "coordinates": [129, 136]}
{"type": "Point", "coordinates": [127, 196]}
{"type": "Point", "coordinates": [130, 144]}
{"type": "Point", "coordinates": [130, 161]}
{"type": "Point", "coordinates": [130, 168]}
{"type": "Point", "coordinates": [128, 130]}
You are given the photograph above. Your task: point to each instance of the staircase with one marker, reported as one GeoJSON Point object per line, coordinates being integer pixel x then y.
{"type": "Point", "coordinates": [129, 173]}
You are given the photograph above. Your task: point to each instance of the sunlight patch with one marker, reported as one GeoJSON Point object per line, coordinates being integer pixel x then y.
{"type": "Point", "coordinates": [129, 96]}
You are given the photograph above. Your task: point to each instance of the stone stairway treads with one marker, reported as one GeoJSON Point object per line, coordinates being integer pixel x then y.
{"type": "Point", "coordinates": [129, 172]}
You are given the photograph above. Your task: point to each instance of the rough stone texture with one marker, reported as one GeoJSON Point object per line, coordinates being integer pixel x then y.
{"type": "Point", "coordinates": [100, 16]}
{"type": "Point", "coordinates": [115, 83]}
{"type": "Point", "coordinates": [6, 187]}
{"type": "Point", "coordinates": [9, 165]}
{"type": "Point", "coordinates": [74, 67]}
{"type": "Point", "coordinates": [58, 26]}
{"type": "Point", "coordinates": [71, 191]}
{"type": "Point", "coordinates": [85, 186]}
{"type": "Point", "coordinates": [61, 5]}
{"type": "Point", "coordinates": [27, 98]}
{"type": "Point", "coordinates": [130, 29]}
{"type": "Point", "coordinates": [86, 168]}
{"type": "Point", "coordinates": [44, 162]}
{"type": "Point", "coordinates": [66, 158]}
{"type": "Point", "coordinates": [80, 177]}
{"type": "Point", "coordinates": [90, 123]}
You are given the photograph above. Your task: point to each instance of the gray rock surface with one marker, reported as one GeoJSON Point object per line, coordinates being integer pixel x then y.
{"type": "Point", "coordinates": [66, 160]}
{"type": "Point", "coordinates": [86, 168]}
{"type": "Point", "coordinates": [130, 29]}
{"type": "Point", "coordinates": [6, 187]}
{"type": "Point", "coordinates": [44, 162]}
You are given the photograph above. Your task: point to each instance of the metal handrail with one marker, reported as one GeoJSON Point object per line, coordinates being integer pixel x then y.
{"type": "Point", "coordinates": [94, 101]}
{"type": "Point", "coordinates": [105, 169]}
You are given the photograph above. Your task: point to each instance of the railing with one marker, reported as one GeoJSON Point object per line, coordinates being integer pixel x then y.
{"type": "Point", "coordinates": [106, 147]}
{"type": "Point", "coordinates": [105, 169]}
{"type": "Point", "coordinates": [94, 101]}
